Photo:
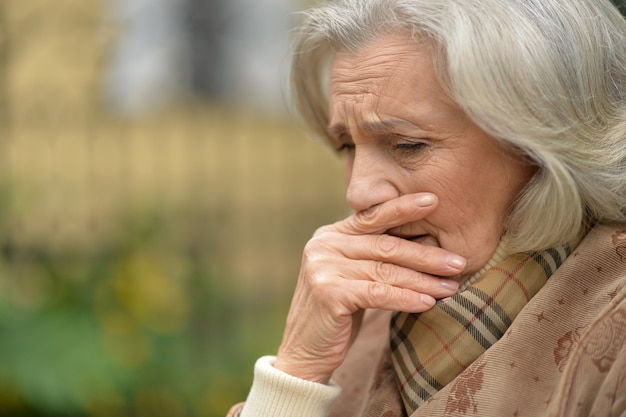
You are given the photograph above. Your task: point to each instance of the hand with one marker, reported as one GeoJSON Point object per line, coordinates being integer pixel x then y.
{"type": "Point", "coordinates": [353, 265]}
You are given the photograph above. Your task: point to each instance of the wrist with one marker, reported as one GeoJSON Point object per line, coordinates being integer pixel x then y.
{"type": "Point", "coordinates": [304, 370]}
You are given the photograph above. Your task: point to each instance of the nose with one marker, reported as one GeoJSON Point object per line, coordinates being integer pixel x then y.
{"type": "Point", "coordinates": [369, 181]}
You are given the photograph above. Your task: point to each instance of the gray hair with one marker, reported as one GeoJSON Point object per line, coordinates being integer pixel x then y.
{"type": "Point", "coordinates": [544, 77]}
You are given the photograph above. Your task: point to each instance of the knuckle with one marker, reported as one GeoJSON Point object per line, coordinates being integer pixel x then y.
{"type": "Point", "coordinates": [309, 258]}
{"type": "Point", "coordinates": [326, 293]}
{"type": "Point", "coordinates": [424, 283]}
{"type": "Point", "coordinates": [418, 278]}
{"type": "Point", "coordinates": [317, 244]}
{"type": "Point", "coordinates": [380, 292]}
{"type": "Point", "coordinates": [383, 271]}
{"type": "Point", "coordinates": [387, 245]}
{"type": "Point", "coordinates": [318, 284]}
{"type": "Point", "coordinates": [407, 299]}
{"type": "Point", "coordinates": [322, 231]}
{"type": "Point", "coordinates": [312, 244]}
{"type": "Point", "coordinates": [398, 211]}
{"type": "Point", "coordinates": [430, 283]}
{"type": "Point", "coordinates": [368, 217]}
{"type": "Point", "coordinates": [424, 256]}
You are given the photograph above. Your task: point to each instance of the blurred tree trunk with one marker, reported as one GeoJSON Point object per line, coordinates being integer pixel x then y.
{"type": "Point", "coordinates": [210, 25]}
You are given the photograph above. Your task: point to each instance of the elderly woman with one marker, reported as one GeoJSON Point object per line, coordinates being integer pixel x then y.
{"type": "Point", "coordinates": [483, 271]}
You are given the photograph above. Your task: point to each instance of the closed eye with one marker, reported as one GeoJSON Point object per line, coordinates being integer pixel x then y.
{"type": "Point", "coordinates": [345, 147]}
{"type": "Point", "coordinates": [410, 145]}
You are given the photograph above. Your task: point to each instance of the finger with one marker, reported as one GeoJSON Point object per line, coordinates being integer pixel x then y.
{"type": "Point", "coordinates": [341, 295]}
{"type": "Point", "coordinates": [429, 259]}
{"type": "Point", "coordinates": [392, 213]}
{"type": "Point", "coordinates": [360, 294]}
{"type": "Point", "coordinates": [394, 275]}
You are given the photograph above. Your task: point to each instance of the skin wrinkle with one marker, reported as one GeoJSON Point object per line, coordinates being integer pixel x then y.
{"type": "Point", "coordinates": [387, 93]}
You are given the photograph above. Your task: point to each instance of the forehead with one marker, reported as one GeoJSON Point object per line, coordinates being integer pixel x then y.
{"type": "Point", "coordinates": [382, 59]}
{"type": "Point", "coordinates": [394, 76]}
{"type": "Point", "coordinates": [393, 45]}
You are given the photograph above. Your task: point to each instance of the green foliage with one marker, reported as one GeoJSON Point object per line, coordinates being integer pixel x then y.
{"type": "Point", "coordinates": [144, 325]}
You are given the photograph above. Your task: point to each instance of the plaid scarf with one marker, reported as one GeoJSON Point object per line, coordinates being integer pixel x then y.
{"type": "Point", "coordinates": [430, 349]}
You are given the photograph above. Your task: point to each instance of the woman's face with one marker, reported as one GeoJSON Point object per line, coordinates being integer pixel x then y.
{"type": "Point", "coordinates": [402, 135]}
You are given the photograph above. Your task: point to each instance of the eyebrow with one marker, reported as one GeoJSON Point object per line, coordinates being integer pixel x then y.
{"type": "Point", "coordinates": [381, 126]}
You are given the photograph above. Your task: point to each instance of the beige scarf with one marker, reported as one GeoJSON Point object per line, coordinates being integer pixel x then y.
{"type": "Point", "coordinates": [430, 349]}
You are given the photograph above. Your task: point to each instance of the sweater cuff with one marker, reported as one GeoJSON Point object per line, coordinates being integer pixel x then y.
{"type": "Point", "coordinates": [277, 394]}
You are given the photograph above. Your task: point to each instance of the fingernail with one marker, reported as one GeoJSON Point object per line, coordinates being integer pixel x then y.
{"type": "Point", "coordinates": [449, 284]}
{"type": "Point", "coordinates": [455, 262]}
{"type": "Point", "coordinates": [424, 200]}
{"type": "Point", "coordinates": [428, 300]}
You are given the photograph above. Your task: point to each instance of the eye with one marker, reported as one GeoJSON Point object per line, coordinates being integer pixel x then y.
{"type": "Point", "coordinates": [345, 147]}
{"type": "Point", "coordinates": [409, 145]}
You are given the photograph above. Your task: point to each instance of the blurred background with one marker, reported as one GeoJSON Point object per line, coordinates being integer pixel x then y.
{"type": "Point", "coordinates": [155, 196]}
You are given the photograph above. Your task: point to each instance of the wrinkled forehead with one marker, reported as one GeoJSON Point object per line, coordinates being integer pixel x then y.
{"type": "Point", "coordinates": [395, 63]}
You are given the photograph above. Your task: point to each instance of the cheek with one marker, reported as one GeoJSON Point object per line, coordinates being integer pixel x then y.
{"type": "Point", "coordinates": [470, 218]}
{"type": "Point", "coordinates": [478, 192]}
{"type": "Point", "coordinates": [466, 212]}
{"type": "Point", "coordinates": [459, 196]}
{"type": "Point", "coordinates": [466, 228]}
